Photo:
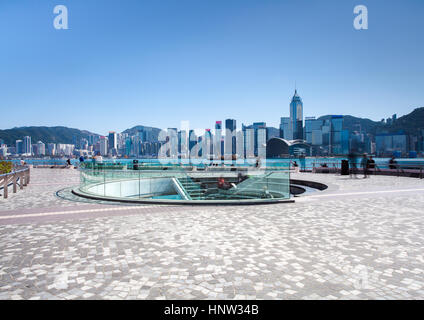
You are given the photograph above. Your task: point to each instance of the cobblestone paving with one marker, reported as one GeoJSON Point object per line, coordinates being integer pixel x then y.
{"type": "Point", "coordinates": [40, 192]}
{"type": "Point", "coordinates": [343, 243]}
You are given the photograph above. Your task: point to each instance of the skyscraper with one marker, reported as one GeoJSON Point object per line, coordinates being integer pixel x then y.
{"type": "Point", "coordinates": [113, 141]}
{"type": "Point", "coordinates": [27, 145]}
{"type": "Point", "coordinates": [285, 129]}
{"type": "Point", "coordinates": [103, 146]}
{"type": "Point", "coordinates": [217, 140]}
{"type": "Point", "coordinates": [208, 144]}
{"type": "Point", "coordinates": [41, 148]}
{"type": "Point", "coordinates": [192, 144]}
{"type": "Point", "coordinates": [296, 116]}
{"type": "Point", "coordinates": [230, 138]}
{"type": "Point", "coordinates": [19, 147]}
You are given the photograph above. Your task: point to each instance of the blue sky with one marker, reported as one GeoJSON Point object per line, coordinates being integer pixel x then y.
{"type": "Point", "coordinates": [123, 63]}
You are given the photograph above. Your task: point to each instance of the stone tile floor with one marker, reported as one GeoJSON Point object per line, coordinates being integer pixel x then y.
{"type": "Point", "coordinates": [360, 239]}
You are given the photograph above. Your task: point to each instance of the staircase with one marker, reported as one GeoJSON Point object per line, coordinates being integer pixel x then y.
{"type": "Point", "coordinates": [193, 191]}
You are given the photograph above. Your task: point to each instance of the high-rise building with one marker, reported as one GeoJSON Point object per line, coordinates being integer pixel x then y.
{"type": "Point", "coordinates": [172, 139]}
{"type": "Point", "coordinates": [335, 139]}
{"type": "Point", "coordinates": [112, 141]}
{"type": "Point", "coordinates": [218, 151]}
{"type": "Point", "coordinates": [240, 144]}
{"type": "Point", "coordinates": [230, 138]}
{"type": "Point", "coordinates": [103, 146]}
{"type": "Point", "coordinates": [192, 141]}
{"type": "Point", "coordinates": [296, 116]}
{"type": "Point", "coordinates": [260, 137]}
{"type": "Point", "coordinates": [313, 131]}
{"type": "Point", "coordinates": [51, 149]}
{"type": "Point", "coordinates": [182, 143]}
{"type": "Point", "coordinates": [41, 148]}
{"type": "Point", "coordinates": [3, 150]}
{"type": "Point", "coordinates": [390, 143]}
{"type": "Point", "coordinates": [249, 141]}
{"type": "Point", "coordinates": [27, 145]}
{"type": "Point", "coordinates": [286, 129]}
{"type": "Point", "coordinates": [19, 147]}
{"type": "Point", "coordinates": [207, 146]}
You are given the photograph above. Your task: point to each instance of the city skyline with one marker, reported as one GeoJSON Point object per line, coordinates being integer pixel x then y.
{"type": "Point", "coordinates": [166, 66]}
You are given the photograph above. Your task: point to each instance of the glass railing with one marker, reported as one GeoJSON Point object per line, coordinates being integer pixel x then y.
{"type": "Point", "coordinates": [186, 183]}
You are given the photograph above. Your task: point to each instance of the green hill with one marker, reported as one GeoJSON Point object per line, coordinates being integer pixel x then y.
{"type": "Point", "coordinates": [410, 123]}
{"type": "Point", "coordinates": [44, 134]}
{"type": "Point", "coordinates": [134, 130]}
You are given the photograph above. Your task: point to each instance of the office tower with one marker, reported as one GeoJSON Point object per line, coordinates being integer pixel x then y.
{"type": "Point", "coordinates": [263, 138]}
{"type": "Point", "coordinates": [240, 144]}
{"type": "Point", "coordinates": [19, 147]}
{"type": "Point", "coordinates": [207, 145]}
{"type": "Point", "coordinates": [112, 141]}
{"type": "Point", "coordinates": [91, 141]}
{"type": "Point", "coordinates": [84, 144]}
{"type": "Point", "coordinates": [27, 145]}
{"type": "Point", "coordinates": [388, 144]}
{"type": "Point", "coordinates": [296, 116]}
{"type": "Point", "coordinates": [172, 139]}
{"type": "Point", "coordinates": [3, 150]}
{"type": "Point", "coordinates": [230, 138]}
{"type": "Point", "coordinates": [313, 131]}
{"type": "Point", "coordinates": [182, 143]}
{"type": "Point", "coordinates": [128, 146]}
{"type": "Point", "coordinates": [285, 129]}
{"type": "Point", "coordinates": [103, 146]}
{"type": "Point", "coordinates": [335, 140]}
{"type": "Point", "coordinates": [41, 148]}
{"type": "Point", "coordinates": [192, 141]}
{"type": "Point", "coordinates": [51, 149]}
{"type": "Point", "coordinates": [249, 142]}
{"type": "Point", "coordinates": [217, 140]}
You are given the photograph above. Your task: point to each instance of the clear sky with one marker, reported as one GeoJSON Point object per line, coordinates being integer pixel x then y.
{"type": "Point", "coordinates": [157, 62]}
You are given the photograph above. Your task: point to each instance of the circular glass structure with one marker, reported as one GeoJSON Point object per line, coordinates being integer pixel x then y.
{"type": "Point", "coordinates": [179, 184]}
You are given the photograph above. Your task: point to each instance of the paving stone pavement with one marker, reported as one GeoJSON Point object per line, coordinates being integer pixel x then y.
{"type": "Point", "coordinates": [360, 239]}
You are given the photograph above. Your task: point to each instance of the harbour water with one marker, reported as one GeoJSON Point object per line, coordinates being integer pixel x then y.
{"type": "Point", "coordinates": [310, 162]}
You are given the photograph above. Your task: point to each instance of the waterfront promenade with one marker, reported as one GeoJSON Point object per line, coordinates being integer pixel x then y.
{"type": "Point", "coordinates": [359, 239]}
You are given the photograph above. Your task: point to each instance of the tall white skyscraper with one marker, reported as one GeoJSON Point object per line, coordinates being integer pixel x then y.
{"type": "Point", "coordinates": [103, 146]}
{"type": "Point", "coordinates": [296, 116]}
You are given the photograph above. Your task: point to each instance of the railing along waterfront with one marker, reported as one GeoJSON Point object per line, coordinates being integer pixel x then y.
{"type": "Point", "coordinates": [20, 176]}
{"type": "Point", "coordinates": [393, 169]}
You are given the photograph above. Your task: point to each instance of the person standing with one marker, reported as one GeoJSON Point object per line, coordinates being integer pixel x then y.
{"type": "Point", "coordinates": [392, 163]}
{"type": "Point", "coordinates": [364, 165]}
{"type": "Point", "coordinates": [352, 164]}
{"type": "Point", "coordinates": [371, 164]}
{"type": "Point", "coordinates": [302, 161]}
